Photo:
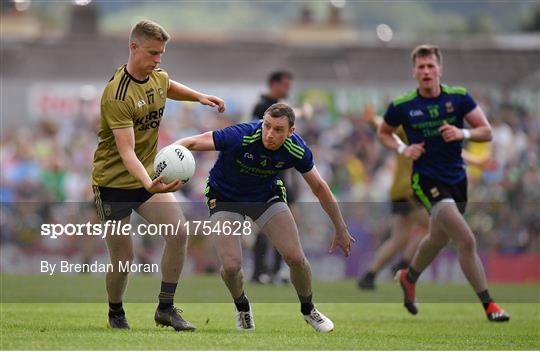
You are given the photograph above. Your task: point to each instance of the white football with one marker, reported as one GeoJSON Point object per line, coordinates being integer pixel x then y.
{"type": "Point", "coordinates": [174, 162]}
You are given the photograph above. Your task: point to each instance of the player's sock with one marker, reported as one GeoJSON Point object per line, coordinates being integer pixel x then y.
{"type": "Point", "coordinates": [485, 298]}
{"type": "Point", "coordinates": [166, 296]}
{"type": "Point", "coordinates": [305, 304]}
{"type": "Point", "coordinates": [402, 264]}
{"type": "Point", "coordinates": [242, 303]}
{"type": "Point", "coordinates": [116, 309]}
{"type": "Point", "coordinates": [412, 275]}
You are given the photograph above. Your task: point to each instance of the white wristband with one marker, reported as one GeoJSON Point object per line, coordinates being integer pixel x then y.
{"type": "Point", "coordinates": [466, 133]}
{"type": "Point", "coordinates": [401, 148]}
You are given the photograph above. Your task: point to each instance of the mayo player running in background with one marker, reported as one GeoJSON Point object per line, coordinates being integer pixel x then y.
{"type": "Point", "coordinates": [408, 215]}
{"type": "Point", "coordinates": [433, 118]}
{"type": "Point", "coordinates": [131, 110]}
{"type": "Point", "coordinates": [244, 182]}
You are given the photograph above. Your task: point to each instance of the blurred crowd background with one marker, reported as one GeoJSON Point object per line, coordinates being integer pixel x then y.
{"type": "Point", "coordinates": [50, 110]}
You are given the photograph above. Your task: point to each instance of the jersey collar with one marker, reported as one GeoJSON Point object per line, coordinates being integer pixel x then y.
{"type": "Point", "coordinates": [133, 78]}
{"type": "Point", "coordinates": [430, 98]}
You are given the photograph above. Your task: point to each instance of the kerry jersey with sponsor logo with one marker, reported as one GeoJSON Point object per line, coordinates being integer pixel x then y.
{"type": "Point", "coordinates": [248, 172]}
{"type": "Point", "coordinates": [421, 118]}
{"type": "Point", "coordinates": [128, 102]}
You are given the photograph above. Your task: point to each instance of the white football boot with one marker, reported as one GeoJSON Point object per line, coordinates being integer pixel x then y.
{"type": "Point", "coordinates": [244, 320]}
{"type": "Point", "coordinates": [319, 321]}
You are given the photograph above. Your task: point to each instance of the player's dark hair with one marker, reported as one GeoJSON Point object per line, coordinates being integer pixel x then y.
{"type": "Point", "coordinates": [280, 110]}
{"type": "Point", "coordinates": [425, 50]}
{"type": "Point", "coordinates": [277, 76]}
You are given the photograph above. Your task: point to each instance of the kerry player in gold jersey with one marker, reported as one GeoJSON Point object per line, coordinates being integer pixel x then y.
{"type": "Point", "coordinates": [408, 214]}
{"type": "Point", "coordinates": [132, 107]}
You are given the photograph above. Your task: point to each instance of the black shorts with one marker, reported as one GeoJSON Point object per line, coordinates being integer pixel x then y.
{"type": "Point", "coordinates": [405, 206]}
{"type": "Point", "coordinates": [217, 202]}
{"type": "Point", "coordinates": [429, 191]}
{"type": "Point", "coordinates": [117, 203]}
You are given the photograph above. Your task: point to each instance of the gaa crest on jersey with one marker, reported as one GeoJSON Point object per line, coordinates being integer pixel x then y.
{"type": "Point", "coordinates": [434, 192]}
{"type": "Point", "coordinates": [449, 107]}
{"type": "Point", "coordinates": [280, 164]}
{"type": "Point", "coordinates": [150, 95]}
{"type": "Point", "coordinates": [160, 92]}
{"type": "Point", "coordinates": [212, 203]}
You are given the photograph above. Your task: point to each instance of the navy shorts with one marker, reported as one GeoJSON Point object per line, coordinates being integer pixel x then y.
{"type": "Point", "coordinates": [429, 191]}
{"type": "Point", "coordinates": [217, 202]}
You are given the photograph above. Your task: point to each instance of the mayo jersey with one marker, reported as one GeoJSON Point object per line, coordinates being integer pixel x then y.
{"type": "Point", "coordinates": [248, 172]}
{"type": "Point", "coordinates": [128, 102]}
{"type": "Point", "coordinates": [421, 118]}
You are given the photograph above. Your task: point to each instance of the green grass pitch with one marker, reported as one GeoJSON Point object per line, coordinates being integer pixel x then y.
{"type": "Point", "coordinates": [449, 326]}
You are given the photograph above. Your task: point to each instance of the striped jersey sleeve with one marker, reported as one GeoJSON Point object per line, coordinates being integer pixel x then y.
{"type": "Point", "coordinates": [303, 157]}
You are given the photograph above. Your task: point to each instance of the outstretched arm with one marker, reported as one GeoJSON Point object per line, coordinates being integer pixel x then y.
{"type": "Point", "coordinates": [320, 188]}
{"type": "Point", "coordinates": [200, 142]}
{"type": "Point", "coordinates": [178, 91]}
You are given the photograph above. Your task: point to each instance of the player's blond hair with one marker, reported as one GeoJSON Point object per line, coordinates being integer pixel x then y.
{"type": "Point", "coordinates": [425, 50]}
{"type": "Point", "coordinates": [146, 29]}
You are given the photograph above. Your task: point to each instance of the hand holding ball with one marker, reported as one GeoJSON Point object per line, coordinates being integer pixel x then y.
{"type": "Point", "coordinates": [174, 162]}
